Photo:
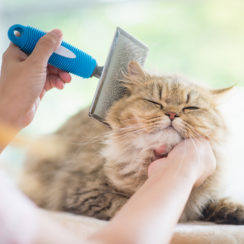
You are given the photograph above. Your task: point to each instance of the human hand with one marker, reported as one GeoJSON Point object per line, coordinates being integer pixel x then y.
{"type": "Point", "coordinates": [25, 79]}
{"type": "Point", "coordinates": [193, 155]}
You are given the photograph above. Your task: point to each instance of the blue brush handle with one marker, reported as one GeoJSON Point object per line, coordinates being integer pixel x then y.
{"type": "Point", "coordinates": [66, 57]}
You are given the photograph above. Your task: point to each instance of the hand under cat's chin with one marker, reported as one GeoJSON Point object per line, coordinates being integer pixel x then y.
{"type": "Point", "coordinates": [160, 152]}
{"type": "Point", "coordinates": [172, 139]}
{"type": "Point", "coordinates": [155, 165]}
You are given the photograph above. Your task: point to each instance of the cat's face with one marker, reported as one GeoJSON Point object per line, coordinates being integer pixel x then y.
{"type": "Point", "coordinates": [164, 108]}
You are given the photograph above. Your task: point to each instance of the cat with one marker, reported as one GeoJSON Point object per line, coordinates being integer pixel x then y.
{"type": "Point", "coordinates": [102, 167]}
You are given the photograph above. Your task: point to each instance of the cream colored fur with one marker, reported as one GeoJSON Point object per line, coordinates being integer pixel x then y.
{"type": "Point", "coordinates": [96, 177]}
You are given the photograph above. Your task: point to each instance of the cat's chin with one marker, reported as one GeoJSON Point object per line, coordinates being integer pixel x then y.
{"type": "Point", "coordinates": [172, 138]}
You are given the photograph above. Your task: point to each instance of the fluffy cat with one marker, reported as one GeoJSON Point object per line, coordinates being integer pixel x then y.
{"type": "Point", "coordinates": [102, 167]}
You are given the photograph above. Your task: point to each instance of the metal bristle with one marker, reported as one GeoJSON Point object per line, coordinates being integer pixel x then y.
{"type": "Point", "coordinates": [124, 49]}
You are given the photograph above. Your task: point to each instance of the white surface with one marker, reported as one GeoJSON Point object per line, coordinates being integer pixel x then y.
{"type": "Point", "coordinates": [187, 233]}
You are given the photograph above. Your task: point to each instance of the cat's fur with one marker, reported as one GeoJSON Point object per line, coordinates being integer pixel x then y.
{"type": "Point", "coordinates": [101, 167]}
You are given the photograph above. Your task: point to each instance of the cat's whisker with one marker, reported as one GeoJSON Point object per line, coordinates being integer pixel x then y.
{"type": "Point", "coordinates": [149, 124]}
{"type": "Point", "coordinates": [147, 120]}
{"type": "Point", "coordinates": [88, 140]}
{"type": "Point", "coordinates": [196, 150]}
{"type": "Point", "coordinates": [154, 123]}
{"type": "Point", "coordinates": [180, 164]}
{"type": "Point", "coordinates": [127, 120]}
{"type": "Point", "coordinates": [127, 131]}
{"type": "Point", "coordinates": [127, 127]}
{"type": "Point", "coordinates": [191, 130]}
{"type": "Point", "coordinates": [126, 134]}
{"type": "Point", "coordinates": [187, 129]}
{"type": "Point", "coordinates": [119, 133]}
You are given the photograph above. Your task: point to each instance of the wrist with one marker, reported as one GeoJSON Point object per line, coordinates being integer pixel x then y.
{"type": "Point", "coordinates": [7, 134]}
{"type": "Point", "coordinates": [12, 106]}
{"type": "Point", "coordinates": [9, 127]}
{"type": "Point", "coordinates": [9, 116]}
{"type": "Point", "coordinates": [182, 169]}
{"type": "Point", "coordinates": [196, 172]}
{"type": "Point", "coordinates": [6, 111]}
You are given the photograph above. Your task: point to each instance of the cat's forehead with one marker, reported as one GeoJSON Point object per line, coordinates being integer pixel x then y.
{"type": "Point", "coordinates": [174, 89]}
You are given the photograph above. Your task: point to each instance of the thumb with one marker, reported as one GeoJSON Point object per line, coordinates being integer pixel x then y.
{"type": "Point", "coordinates": [45, 47]}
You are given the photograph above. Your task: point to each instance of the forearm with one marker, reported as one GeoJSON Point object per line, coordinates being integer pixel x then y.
{"type": "Point", "coordinates": [22, 222]}
{"type": "Point", "coordinates": [152, 212]}
{"type": "Point", "coordinates": [49, 231]}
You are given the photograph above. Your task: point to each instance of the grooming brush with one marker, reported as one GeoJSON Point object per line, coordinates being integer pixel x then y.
{"type": "Point", "coordinates": [124, 49]}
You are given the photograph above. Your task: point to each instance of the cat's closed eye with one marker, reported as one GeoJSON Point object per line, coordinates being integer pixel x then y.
{"type": "Point", "coordinates": [156, 103]}
{"type": "Point", "coordinates": [190, 108]}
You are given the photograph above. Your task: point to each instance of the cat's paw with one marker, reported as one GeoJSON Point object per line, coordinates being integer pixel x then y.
{"type": "Point", "coordinates": [224, 212]}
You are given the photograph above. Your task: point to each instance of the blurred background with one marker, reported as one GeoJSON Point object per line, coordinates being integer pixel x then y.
{"type": "Point", "coordinates": [202, 39]}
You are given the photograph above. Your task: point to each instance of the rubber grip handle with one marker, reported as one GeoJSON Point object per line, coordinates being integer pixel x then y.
{"type": "Point", "coordinates": [66, 57]}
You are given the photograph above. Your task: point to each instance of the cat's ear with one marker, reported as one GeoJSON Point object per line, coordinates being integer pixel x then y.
{"type": "Point", "coordinates": [221, 94]}
{"type": "Point", "coordinates": [135, 69]}
{"type": "Point", "coordinates": [222, 91]}
{"type": "Point", "coordinates": [134, 77]}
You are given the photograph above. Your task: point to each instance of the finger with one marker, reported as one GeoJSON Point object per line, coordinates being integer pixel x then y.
{"type": "Point", "coordinates": [64, 76]}
{"type": "Point", "coordinates": [49, 83]}
{"type": "Point", "coordinates": [53, 81]}
{"type": "Point", "coordinates": [180, 149]}
{"type": "Point", "coordinates": [156, 166]}
{"type": "Point", "coordinates": [182, 146]}
{"type": "Point", "coordinates": [197, 145]}
{"type": "Point", "coordinates": [14, 53]}
{"type": "Point", "coordinates": [52, 69]}
{"type": "Point", "coordinates": [153, 167]}
{"type": "Point", "coordinates": [45, 47]}
{"type": "Point", "coordinates": [59, 84]}
{"type": "Point", "coordinates": [42, 94]}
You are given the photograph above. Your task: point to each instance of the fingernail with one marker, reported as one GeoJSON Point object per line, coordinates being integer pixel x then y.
{"type": "Point", "coordinates": [57, 32]}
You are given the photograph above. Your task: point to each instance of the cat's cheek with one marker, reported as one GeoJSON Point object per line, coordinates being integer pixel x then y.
{"type": "Point", "coordinates": [179, 126]}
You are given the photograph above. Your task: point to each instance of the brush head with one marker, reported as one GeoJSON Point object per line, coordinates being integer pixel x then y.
{"type": "Point", "coordinates": [124, 49]}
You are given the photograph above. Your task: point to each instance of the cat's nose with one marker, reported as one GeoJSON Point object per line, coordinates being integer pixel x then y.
{"type": "Point", "coordinates": [172, 115]}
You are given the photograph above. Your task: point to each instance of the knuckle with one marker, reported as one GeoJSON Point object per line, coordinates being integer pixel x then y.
{"type": "Point", "coordinates": [48, 40]}
{"type": "Point", "coordinates": [5, 55]}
